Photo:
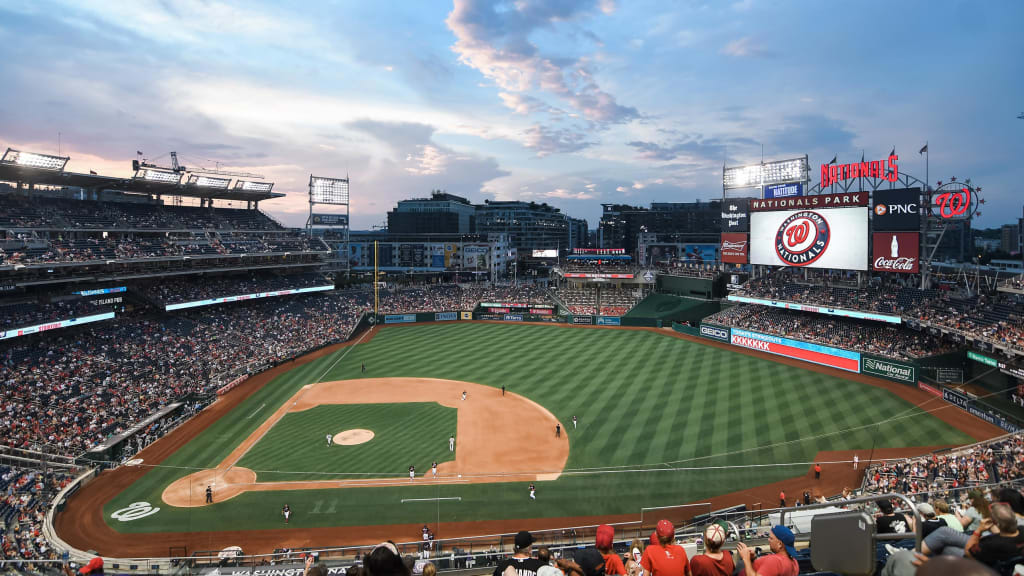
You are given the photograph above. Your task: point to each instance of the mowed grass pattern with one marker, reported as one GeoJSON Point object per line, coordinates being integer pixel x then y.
{"type": "Point", "coordinates": [661, 421]}
{"type": "Point", "coordinates": [405, 434]}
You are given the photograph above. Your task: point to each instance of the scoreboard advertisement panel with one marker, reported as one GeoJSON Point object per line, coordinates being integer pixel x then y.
{"type": "Point", "coordinates": [812, 238]}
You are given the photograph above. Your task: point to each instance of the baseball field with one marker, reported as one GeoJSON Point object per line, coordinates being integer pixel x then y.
{"type": "Point", "coordinates": [661, 420]}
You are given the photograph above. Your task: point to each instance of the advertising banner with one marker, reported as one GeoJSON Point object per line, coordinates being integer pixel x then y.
{"type": "Point", "coordinates": [445, 316]}
{"type": "Point", "coordinates": [720, 333]}
{"type": "Point", "coordinates": [514, 317]}
{"type": "Point", "coordinates": [545, 253]}
{"type": "Point", "coordinates": [784, 190]}
{"type": "Point", "coordinates": [889, 369]}
{"type": "Point", "coordinates": [466, 315]}
{"type": "Point", "coordinates": [26, 330]}
{"type": "Point", "coordinates": [896, 252]}
{"type": "Point", "coordinates": [964, 402]}
{"type": "Point", "coordinates": [735, 248]}
{"type": "Point", "coordinates": [835, 238]}
{"type": "Point", "coordinates": [983, 359]}
{"type": "Point", "coordinates": [582, 319]}
{"type": "Point", "coordinates": [929, 389]}
{"type": "Point", "coordinates": [399, 318]}
{"type": "Point", "coordinates": [898, 209]}
{"type": "Point", "coordinates": [608, 321]}
{"type": "Point", "coordinates": [242, 297]}
{"type": "Point", "coordinates": [475, 257]}
{"type": "Point", "coordinates": [736, 215]}
{"type": "Point", "coordinates": [818, 309]}
{"type": "Point", "coordinates": [330, 220]}
{"type": "Point", "coordinates": [596, 275]}
{"type": "Point", "coordinates": [814, 353]}
{"type": "Point", "coordinates": [100, 291]}
{"type": "Point", "coordinates": [843, 200]}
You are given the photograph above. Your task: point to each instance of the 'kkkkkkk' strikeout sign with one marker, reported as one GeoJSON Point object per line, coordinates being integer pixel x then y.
{"type": "Point", "coordinates": [802, 238]}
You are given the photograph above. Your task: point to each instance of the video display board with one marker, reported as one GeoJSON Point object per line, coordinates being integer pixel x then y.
{"type": "Point", "coordinates": [833, 238]}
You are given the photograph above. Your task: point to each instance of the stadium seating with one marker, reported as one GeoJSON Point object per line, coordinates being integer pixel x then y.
{"type": "Point", "coordinates": [24, 497]}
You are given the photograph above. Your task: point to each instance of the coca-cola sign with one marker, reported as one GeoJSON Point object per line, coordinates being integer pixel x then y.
{"type": "Point", "coordinates": [896, 252]}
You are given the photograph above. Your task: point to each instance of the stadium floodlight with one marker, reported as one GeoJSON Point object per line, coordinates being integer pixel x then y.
{"type": "Point", "coordinates": [250, 186]}
{"type": "Point", "coordinates": [328, 190]}
{"type": "Point", "coordinates": [33, 160]}
{"type": "Point", "coordinates": [766, 174]}
{"type": "Point", "coordinates": [209, 182]}
{"type": "Point", "coordinates": [158, 176]}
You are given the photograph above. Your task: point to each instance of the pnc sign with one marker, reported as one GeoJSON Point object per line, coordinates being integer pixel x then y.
{"type": "Point", "coordinates": [884, 169]}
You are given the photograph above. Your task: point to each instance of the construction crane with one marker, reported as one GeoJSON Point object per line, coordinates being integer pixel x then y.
{"type": "Point", "coordinates": [177, 168]}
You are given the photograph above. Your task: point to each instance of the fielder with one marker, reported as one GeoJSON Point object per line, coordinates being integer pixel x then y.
{"type": "Point", "coordinates": [433, 468]}
{"type": "Point", "coordinates": [286, 512]}
{"type": "Point", "coordinates": [451, 443]}
{"type": "Point", "coordinates": [463, 394]}
{"type": "Point", "coordinates": [412, 473]}
{"type": "Point", "coordinates": [573, 421]}
{"type": "Point", "coordinates": [330, 439]}
{"type": "Point", "coordinates": [533, 492]}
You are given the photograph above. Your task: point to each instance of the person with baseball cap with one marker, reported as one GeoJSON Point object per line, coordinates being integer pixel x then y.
{"type": "Point", "coordinates": [714, 561]}
{"type": "Point", "coordinates": [782, 560]}
{"type": "Point", "coordinates": [521, 561]}
{"type": "Point", "coordinates": [603, 542]}
{"type": "Point", "coordinates": [666, 558]}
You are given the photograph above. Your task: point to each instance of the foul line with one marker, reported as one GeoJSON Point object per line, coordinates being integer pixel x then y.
{"type": "Point", "coordinates": [404, 500]}
{"type": "Point", "coordinates": [296, 398]}
{"type": "Point", "coordinates": [255, 411]}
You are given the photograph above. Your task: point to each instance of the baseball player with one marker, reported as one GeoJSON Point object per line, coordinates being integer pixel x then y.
{"type": "Point", "coordinates": [573, 421]}
{"type": "Point", "coordinates": [330, 440]}
{"type": "Point", "coordinates": [286, 512]}
{"type": "Point", "coordinates": [463, 394]}
{"type": "Point", "coordinates": [209, 495]}
{"type": "Point", "coordinates": [856, 460]}
{"type": "Point", "coordinates": [533, 492]}
{"type": "Point", "coordinates": [364, 367]}
{"type": "Point", "coordinates": [433, 468]}
{"type": "Point", "coordinates": [451, 443]}
{"type": "Point", "coordinates": [412, 473]}
{"type": "Point", "coordinates": [558, 430]}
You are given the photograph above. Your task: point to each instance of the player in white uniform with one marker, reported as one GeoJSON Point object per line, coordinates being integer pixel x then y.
{"type": "Point", "coordinates": [412, 473]}
{"type": "Point", "coordinates": [533, 492]}
{"type": "Point", "coordinates": [433, 468]}
{"type": "Point", "coordinates": [451, 443]}
{"type": "Point", "coordinates": [463, 394]}
{"type": "Point", "coordinates": [330, 440]}
{"type": "Point", "coordinates": [287, 512]}
{"type": "Point", "coordinates": [574, 422]}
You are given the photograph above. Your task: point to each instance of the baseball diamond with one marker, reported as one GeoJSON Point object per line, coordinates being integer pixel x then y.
{"type": "Point", "coordinates": [664, 418]}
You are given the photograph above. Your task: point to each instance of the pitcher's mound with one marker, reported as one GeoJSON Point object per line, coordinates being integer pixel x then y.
{"type": "Point", "coordinates": [353, 437]}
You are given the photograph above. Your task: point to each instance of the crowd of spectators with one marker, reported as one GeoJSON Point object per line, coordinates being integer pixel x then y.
{"type": "Point", "coordinates": [862, 336]}
{"type": "Point", "coordinates": [585, 302]}
{"type": "Point", "coordinates": [175, 291]}
{"type": "Point", "coordinates": [688, 269]}
{"type": "Point", "coordinates": [24, 496]}
{"type": "Point", "coordinates": [456, 297]}
{"type": "Point", "coordinates": [66, 214]}
{"type": "Point", "coordinates": [20, 313]}
{"type": "Point", "coordinates": [598, 266]}
{"type": "Point", "coordinates": [997, 317]}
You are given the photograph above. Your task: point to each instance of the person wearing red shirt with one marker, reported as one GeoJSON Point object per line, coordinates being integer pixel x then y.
{"type": "Point", "coordinates": [782, 499]}
{"type": "Point", "coordinates": [780, 563]}
{"type": "Point", "coordinates": [603, 542]}
{"type": "Point", "coordinates": [714, 561]}
{"type": "Point", "coordinates": [666, 558]}
{"type": "Point", "coordinates": [817, 471]}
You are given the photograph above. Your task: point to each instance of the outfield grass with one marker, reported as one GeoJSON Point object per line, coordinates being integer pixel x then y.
{"type": "Point", "coordinates": [410, 433]}
{"type": "Point", "coordinates": [643, 400]}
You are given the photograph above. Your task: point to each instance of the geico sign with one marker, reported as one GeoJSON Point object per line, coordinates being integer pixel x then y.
{"type": "Point", "coordinates": [715, 332]}
{"type": "Point", "coordinates": [751, 343]}
{"type": "Point", "coordinates": [907, 264]}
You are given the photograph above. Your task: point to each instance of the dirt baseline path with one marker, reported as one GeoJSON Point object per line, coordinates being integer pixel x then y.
{"type": "Point", "coordinates": [491, 443]}
{"type": "Point", "coordinates": [81, 524]}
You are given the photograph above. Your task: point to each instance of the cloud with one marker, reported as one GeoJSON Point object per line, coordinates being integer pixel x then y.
{"type": "Point", "coordinates": [694, 148]}
{"type": "Point", "coordinates": [745, 47]}
{"type": "Point", "coordinates": [521, 103]}
{"type": "Point", "coordinates": [567, 195]}
{"type": "Point", "coordinates": [494, 39]}
{"type": "Point", "coordinates": [547, 140]}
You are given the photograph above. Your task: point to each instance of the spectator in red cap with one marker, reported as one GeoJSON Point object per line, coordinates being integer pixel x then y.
{"type": "Point", "coordinates": [781, 562]}
{"type": "Point", "coordinates": [95, 566]}
{"type": "Point", "coordinates": [666, 558]}
{"type": "Point", "coordinates": [612, 562]}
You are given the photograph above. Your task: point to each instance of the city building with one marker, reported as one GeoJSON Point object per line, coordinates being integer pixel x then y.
{"type": "Point", "coordinates": [1010, 238]}
{"type": "Point", "coordinates": [530, 226]}
{"type": "Point", "coordinates": [669, 222]}
{"type": "Point", "coordinates": [442, 213]}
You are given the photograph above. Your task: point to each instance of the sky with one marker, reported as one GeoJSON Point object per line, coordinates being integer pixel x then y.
{"type": "Point", "coordinates": [570, 102]}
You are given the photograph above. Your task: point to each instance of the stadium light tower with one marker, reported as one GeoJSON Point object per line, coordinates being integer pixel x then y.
{"type": "Point", "coordinates": [334, 192]}
{"type": "Point", "coordinates": [33, 160]}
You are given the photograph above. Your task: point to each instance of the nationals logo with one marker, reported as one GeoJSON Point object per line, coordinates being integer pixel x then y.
{"type": "Point", "coordinates": [802, 238]}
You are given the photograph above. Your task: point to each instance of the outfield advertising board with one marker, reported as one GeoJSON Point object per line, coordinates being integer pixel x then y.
{"type": "Point", "coordinates": [784, 190]}
{"type": "Point", "coordinates": [966, 403]}
{"type": "Point", "coordinates": [835, 238]}
{"type": "Point", "coordinates": [513, 317]}
{"type": "Point", "coordinates": [399, 318]}
{"type": "Point", "coordinates": [466, 315]}
{"type": "Point", "coordinates": [814, 353]}
{"type": "Point", "coordinates": [582, 319]}
{"type": "Point", "coordinates": [889, 369]}
{"type": "Point", "coordinates": [735, 248]}
{"type": "Point", "coordinates": [608, 321]}
{"type": "Point", "coordinates": [445, 316]}
{"type": "Point", "coordinates": [818, 309]}
{"type": "Point", "coordinates": [720, 333]}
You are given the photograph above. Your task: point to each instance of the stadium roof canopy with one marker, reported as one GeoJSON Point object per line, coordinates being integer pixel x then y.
{"type": "Point", "coordinates": [41, 176]}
